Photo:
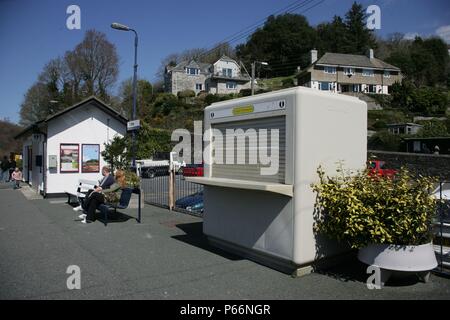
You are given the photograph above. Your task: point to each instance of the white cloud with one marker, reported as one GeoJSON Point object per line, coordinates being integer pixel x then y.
{"type": "Point", "coordinates": [410, 35]}
{"type": "Point", "coordinates": [444, 33]}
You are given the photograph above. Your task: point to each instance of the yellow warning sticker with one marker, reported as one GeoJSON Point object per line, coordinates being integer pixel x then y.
{"type": "Point", "coordinates": [243, 110]}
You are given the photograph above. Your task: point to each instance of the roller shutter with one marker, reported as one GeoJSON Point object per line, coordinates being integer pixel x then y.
{"type": "Point", "coordinates": [249, 171]}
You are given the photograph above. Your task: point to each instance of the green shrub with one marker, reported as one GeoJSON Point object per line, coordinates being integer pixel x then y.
{"type": "Point", "coordinates": [186, 94]}
{"type": "Point", "coordinates": [245, 92]}
{"type": "Point", "coordinates": [432, 128]}
{"type": "Point", "coordinates": [380, 124]}
{"type": "Point", "coordinates": [384, 140]}
{"type": "Point", "coordinates": [132, 179]}
{"type": "Point", "coordinates": [287, 83]}
{"type": "Point", "coordinates": [211, 98]}
{"type": "Point", "coordinates": [360, 209]}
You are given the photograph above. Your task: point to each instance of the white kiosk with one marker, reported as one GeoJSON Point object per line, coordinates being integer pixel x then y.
{"type": "Point", "coordinates": [270, 218]}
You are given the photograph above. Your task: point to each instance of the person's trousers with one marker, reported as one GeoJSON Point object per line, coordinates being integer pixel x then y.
{"type": "Point", "coordinates": [92, 203]}
{"type": "Point", "coordinates": [5, 176]}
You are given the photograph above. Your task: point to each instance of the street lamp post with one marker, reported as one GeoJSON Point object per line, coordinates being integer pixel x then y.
{"type": "Point", "coordinates": [122, 27]}
{"type": "Point", "coordinates": [253, 73]}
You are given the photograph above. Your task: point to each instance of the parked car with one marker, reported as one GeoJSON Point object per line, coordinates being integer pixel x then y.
{"type": "Point", "coordinates": [149, 168]}
{"type": "Point", "coordinates": [193, 202]}
{"type": "Point", "coordinates": [379, 168]}
{"type": "Point", "coordinates": [193, 170]}
{"type": "Point", "coordinates": [151, 172]}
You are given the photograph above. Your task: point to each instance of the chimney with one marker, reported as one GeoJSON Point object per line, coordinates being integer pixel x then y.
{"type": "Point", "coordinates": [371, 56]}
{"type": "Point", "coordinates": [313, 56]}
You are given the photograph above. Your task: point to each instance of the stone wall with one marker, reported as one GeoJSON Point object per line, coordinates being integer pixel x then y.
{"type": "Point", "coordinates": [424, 164]}
{"type": "Point", "coordinates": [182, 81]}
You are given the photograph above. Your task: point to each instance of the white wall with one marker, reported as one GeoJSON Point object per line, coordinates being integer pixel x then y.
{"type": "Point", "coordinates": [26, 171]}
{"type": "Point", "coordinates": [37, 180]}
{"type": "Point", "coordinates": [221, 64]}
{"type": "Point", "coordinates": [329, 128]}
{"type": "Point", "coordinates": [84, 125]}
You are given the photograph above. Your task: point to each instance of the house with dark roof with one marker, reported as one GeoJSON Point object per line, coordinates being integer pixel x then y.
{"type": "Point", "coordinates": [222, 77]}
{"type": "Point", "coordinates": [349, 73]}
{"type": "Point", "coordinates": [404, 128]}
{"type": "Point", "coordinates": [66, 146]}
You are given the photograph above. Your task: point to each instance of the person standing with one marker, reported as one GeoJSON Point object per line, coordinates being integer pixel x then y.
{"type": "Point", "coordinates": [12, 167]}
{"type": "Point", "coordinates": [16, 177]}
{"type": "Point", "coordinates": [436, 150]}
{"type": "Point", "coordinates": [5, 169]}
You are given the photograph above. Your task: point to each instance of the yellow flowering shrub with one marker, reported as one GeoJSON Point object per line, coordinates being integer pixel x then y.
{"type": "Point", "coordinates": [360, 209]}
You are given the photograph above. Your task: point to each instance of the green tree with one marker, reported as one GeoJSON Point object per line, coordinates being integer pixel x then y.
{"type": "Point", "coordinates": [144, 98]}
{"type": "Point", "coordinates": [90, 69]}
{"type": "Point", "coordinates": [333, 37]}
{"type": "Point", "coordinates": [383, 140]}
{"type": "Point", "coordinates": [8, 144]}
{"type": "Point", "coordinates": [432, 128]}
{"type": "Point", "coordinates": [117, 154]}
{"type": "Point", "coordinates": [150, 140]}
{"type": "Point", "coordinates": [402, 95]}
{"type": "Point", "coordinates": [360, 39]}
{"type": "Point", "coordinates": [164, 104]}
{"type": "Point", "coordinates": [36, 104]}
{"type": "Point", "coordinates": [425, 62]}
{"type": "Point", "coordinates": [429, 101]}
{"type": "Point", "coordinates": [284, 42]}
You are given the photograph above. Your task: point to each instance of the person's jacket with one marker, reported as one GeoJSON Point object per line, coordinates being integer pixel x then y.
{"type": "Point", "coordinates": [113, 193]}
{"type": "Point", "coordinates": [16, 175]}
{"type": "Point", "coordinates": [107, 182]}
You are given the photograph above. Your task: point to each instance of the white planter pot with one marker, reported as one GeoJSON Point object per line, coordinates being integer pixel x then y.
{"type": "Point", "coordinates": [396, 259]}
{"type": "Point", "coordinates": [399, 258]}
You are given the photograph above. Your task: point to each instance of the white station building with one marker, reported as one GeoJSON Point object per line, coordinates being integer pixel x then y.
{"type": "Point", "coordinates": [66, 146]}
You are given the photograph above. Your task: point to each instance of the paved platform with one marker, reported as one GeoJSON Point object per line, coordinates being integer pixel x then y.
{"type": "Point", "coordinates": [165, 257]}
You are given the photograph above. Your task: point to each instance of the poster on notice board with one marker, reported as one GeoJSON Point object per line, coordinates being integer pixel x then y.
{"type": "Point", "coordinates": [70, 157]}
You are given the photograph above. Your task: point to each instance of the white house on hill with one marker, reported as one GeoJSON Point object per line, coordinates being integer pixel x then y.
{"type": "Point", "coordinates": [222, 77]}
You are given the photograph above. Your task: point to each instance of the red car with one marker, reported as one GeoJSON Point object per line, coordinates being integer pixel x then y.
{"type": "Point", "coordinates": [193, 170]}
{"type": "Point", "coordinates": [378, 168]}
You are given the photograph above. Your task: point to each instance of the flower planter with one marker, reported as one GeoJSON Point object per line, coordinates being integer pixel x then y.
{"type": "Point", "coordinates": [397, 258]}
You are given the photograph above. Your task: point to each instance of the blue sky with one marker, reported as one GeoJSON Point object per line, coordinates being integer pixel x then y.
{"type": "Point", "coordinates": [34, 31]}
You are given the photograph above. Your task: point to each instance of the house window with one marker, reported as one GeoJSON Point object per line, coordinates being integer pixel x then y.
{"type": "Point", "coordinates": [198, 86]}
{"type": "Point", "coordinates": [227, 72]}
{"type": "Point", "coordinates": [330, 70]}
{"type": "Point", "coordinates": [356, 88]}
{"type": "Point", "coordinates": [325, 86]}
{"type": "Point", "coordinates": [387, 74]}
{"type": "Point", "coordinates": [367, 73]}
{"type": "Point", "coordinates": [416, 146]}
{"type": "Point", "coordinates": [192, 71]}
{"type": "Point", "coordinates": [349, 71]}
{"type": "Point", "coordinates": [231, 85]}
{"type": "Point", "coordinates": [372, 88]}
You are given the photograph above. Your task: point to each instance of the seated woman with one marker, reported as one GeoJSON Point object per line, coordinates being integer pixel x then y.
{"type": "Point", "coordinates": [111, 195]}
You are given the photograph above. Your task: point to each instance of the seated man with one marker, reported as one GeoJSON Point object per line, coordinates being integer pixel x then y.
{"type": "Point", "coordinates": [111, 196]}
{"type": "Point", "coordinates": [104, 183]}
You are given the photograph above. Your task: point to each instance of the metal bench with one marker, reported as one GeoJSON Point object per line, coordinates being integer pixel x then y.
{"type": "Point", "coordinates": [123, 203]}
{"type": "Point", "coordinates": [83, 187]}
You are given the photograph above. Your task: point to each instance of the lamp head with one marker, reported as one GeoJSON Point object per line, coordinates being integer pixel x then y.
{"type": "Point", "coordinates": [119, 26]}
